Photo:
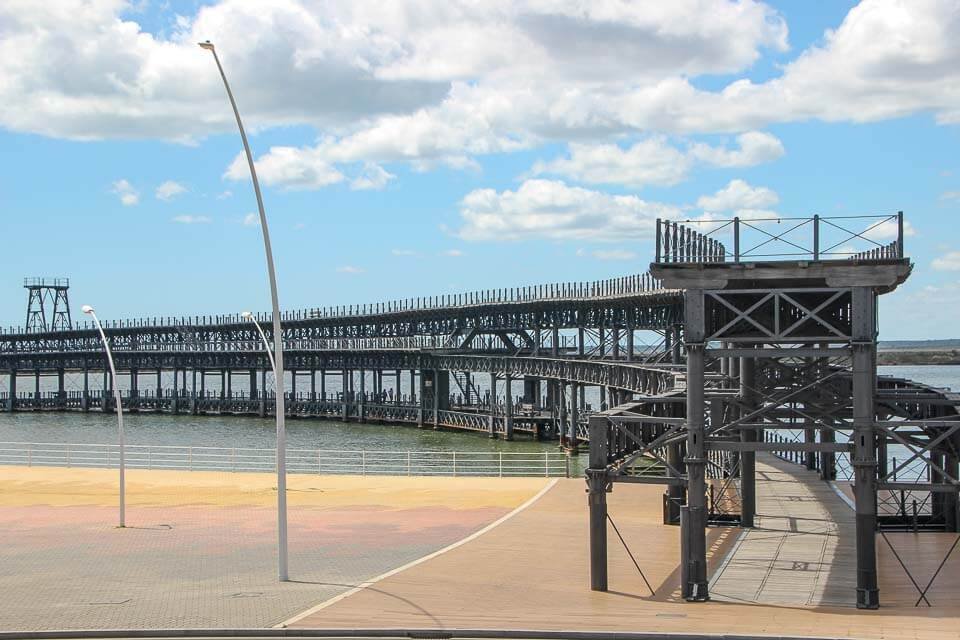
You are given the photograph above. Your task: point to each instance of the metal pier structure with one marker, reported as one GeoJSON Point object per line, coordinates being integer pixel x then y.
{"type": "Point", "coordinates": [415, 361]}
{"type": "Point", "coordinates": [781, 357]}
{"type": "Point", "coordinates": [745, 336]}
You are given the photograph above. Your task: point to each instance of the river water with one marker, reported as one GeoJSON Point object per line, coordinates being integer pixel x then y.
{"type": "Point", "coordinates": [247, 432]}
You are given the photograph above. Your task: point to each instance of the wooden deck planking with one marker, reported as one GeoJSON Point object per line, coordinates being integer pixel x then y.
{"type": "Point", "coordinates": [801, 551]}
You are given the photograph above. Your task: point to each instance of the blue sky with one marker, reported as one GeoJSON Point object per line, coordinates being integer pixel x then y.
{"type": "Point", "coordinates": [490, 161]}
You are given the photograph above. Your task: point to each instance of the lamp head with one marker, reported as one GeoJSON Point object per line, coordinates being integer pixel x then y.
{"type": "Point", "coordinates": [86, 308]}
{"type": "Point", "coordinates": [206, 45]}
{"type": "Point", "coordinates": [246, 315]}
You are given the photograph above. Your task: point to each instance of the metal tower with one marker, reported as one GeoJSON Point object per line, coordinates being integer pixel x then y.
{"type": "Point", "coordinates": [48, 294]}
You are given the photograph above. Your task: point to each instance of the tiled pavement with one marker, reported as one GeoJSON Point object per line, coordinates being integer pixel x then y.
{"type": "Point", "coordinates": [203, 563]}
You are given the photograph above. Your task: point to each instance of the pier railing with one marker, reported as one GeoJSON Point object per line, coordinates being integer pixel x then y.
{"type": "Point", "coordinates": [315, 461]}
{"type": "Point", "coordinates": [764, 237]}
{"type": "Point", "coordinates": [608, 288]}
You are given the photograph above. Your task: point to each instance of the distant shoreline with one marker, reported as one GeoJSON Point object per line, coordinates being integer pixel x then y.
{"type": "Point", "coordinates": [928, 356]}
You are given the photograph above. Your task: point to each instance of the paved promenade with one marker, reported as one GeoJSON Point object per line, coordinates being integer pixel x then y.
{"type": "Point", "coordinates": [199, 547]}
{"type": "Point", "coordinates": [532, 572]}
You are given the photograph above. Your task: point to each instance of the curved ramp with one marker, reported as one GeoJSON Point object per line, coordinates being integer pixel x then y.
{"type": "Point", "coordinates": [801, 551]}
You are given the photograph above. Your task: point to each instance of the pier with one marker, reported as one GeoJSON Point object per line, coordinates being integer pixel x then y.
{"type": "Point", "coordinates": [759, 350]}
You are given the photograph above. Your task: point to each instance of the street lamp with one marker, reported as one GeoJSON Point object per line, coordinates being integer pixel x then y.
{"type": "Point", "coordinates": [87, 309]}
{"type": "Point", "coordinates": [246, 315]}
{"type": "Point", "coordinates": [277, 339]}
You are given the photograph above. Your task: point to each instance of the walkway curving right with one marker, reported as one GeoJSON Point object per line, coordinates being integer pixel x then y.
{"type": "Point", "coordinates": [802, 549]}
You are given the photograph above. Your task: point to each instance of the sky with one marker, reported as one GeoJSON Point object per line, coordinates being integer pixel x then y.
{"type": "Point", "coordinates": [438, 146]}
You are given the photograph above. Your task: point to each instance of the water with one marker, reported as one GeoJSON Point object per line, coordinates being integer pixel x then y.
{"type": "Point", "coordinates": [215, 431]}
{"type": "Point", "coordinates": [941, 375]}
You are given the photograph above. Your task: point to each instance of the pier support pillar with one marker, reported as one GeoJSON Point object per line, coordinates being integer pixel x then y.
{"type": "Point", "coordinates": [105, 389]}
{"type": "Point", "coordinates": [572, 441]}
{"type": "Point", "coordinates": [597, 487]}
{"type": "Point", "coordinates": [748, 459]}
{"type": "Point", "coordinates": [676, 494]}
{"type": "Point", "coordinates": [508, 408]}
{"type": "Point", "coordinates": [175, 398]}
{"type": "Point", "coordinates": [193, 391]}
{"type": "Point", "coordinates": [263, 393]}
{"type": "Point", "coordinates": [362, 398]}
{"type": "Point", "coordinates": [345, 386]}
{"type": "Point", "coordinates": [864, 444]}
{"type": "Point", "coordinates": [11, 391]}
{"type": "Point", "coordinates": [810, 457]}
{"type": "Point", "coordinates": [85, 400]}
{"type": "Point", "coordinates": [693, 518]}
{"type": "Point", "coordinates": [531, 392]}
{"type": "Point", "coordinates": [492, 399]}
{"type": "Point", "coordinates": [61, 390]}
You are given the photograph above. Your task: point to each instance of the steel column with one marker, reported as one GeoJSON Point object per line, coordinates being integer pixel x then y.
{"type": "Point", "coordinates": [597, 485]}
{"type": "Point", "coordinates": [693, 528]}
{"type": "Point", "coordinates": [748, 459]}
{"type": "Point", "coordinates": [864, 450]}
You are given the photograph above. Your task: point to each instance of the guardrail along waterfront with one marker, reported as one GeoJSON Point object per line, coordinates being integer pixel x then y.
{"type": "Point", "coordinates": [813, 238]}
{"type": "Point", "coordinates": [316, 461]}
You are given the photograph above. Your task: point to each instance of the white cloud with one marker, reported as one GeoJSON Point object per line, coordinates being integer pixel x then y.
{"type": "Point", "coordinates": [223, 195]}
{"type": "Point", "coordinates": [81, 70]}
{"type": "Point", "coordinates": [654, 161]}
{"type": "Point", "coordinates": [739, 195]}
{"type": "Point", "coordinates": [949, 261]}
{"type": "Point", "coordinates": [950, 195]}
{"type": "Point", "coordinates": [192, 219]}
{"type": "Point", "coordinates": [885, 230]}
{"type": "Point", "coordinates": [551, 209]}
{"type": "Point", "coordinates": [169, 190]}
{"type": "Point", "coordinates": [349, 269]}
{"type": "Point", "coordinates": [251, 220]}
{"type": "Point", "coordinates": [614, 254]}
{"type": "Point", "coordinates": [442, 81]}
{"type": "Point", "coordinates": [452, 253]}
{"type": "Point", "coordinates": [125, 191]}
{"type": "Point", "coordinates": [650, 161]}
{"type": "Point", "coordinates": [373, 177]}
{"type": "Point", "coordinates": [404, 252]}
{"type": "Point", "coordinates": [753, 148]}
{"type": "Point", "coordinates": [288, 167]}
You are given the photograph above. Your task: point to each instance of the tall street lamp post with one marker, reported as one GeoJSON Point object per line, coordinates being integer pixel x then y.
{"type": "Point", "coordinates": [87, 309]}
{"type": "Point", "coordinates": [277, 340]}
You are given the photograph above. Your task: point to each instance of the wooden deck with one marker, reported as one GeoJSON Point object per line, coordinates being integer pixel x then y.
{"type": "Point", "coordinates": [531, 572]}
{"type": "Point", "coordinates": [801, 551]}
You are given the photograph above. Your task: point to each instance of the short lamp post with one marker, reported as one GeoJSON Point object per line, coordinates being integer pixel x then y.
{"type": "Point", "coordinates": [87, 309]}
{"type": "Point", "coordinates": [246, 315]}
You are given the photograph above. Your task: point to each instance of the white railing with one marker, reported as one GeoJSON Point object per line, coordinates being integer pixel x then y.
{"type": "Point", "coordinates": [318, 461]}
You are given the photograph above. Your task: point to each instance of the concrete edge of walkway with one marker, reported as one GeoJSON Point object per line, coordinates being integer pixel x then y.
{"type": "Point", "coordinates": [429, 556]}
{"type": "Point", "coordinates": [844, 497]}
{"type": "Point", "coordinates": [504, 634]}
